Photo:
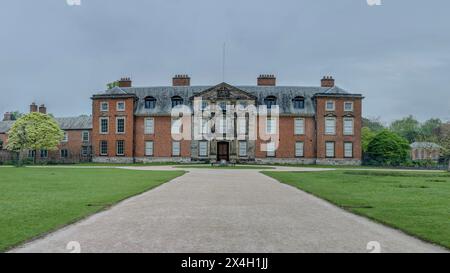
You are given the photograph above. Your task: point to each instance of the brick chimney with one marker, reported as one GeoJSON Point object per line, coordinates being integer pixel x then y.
{"type": "Point", "coordinates": [7, 116]}
{"type": "Point", "coordinates": [42, 109]}
{"type": "Point", "coordinates": [125, 82]}
{"type": "Point", "coordinates": [181, 80]}
{"type": "Point", "coordinates": [327, 81]}
{"type": "Point", "coordinates": [267, 80]}
{"type": "Point", "coordinates": [33, 108]}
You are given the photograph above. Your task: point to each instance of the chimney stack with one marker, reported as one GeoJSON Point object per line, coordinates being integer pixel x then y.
{"type": "Point", "coordinates": [267, 80]}
{"type": "Point", "coordinates": [181, 80]}
{"type": "Point", "coordinates": [42, 109]}
{"type": "Point", "coordinates": [327, 81]}
{"type": "Point", "coordinates": [33, 108]}
{"type": "Point", "coordinates": [125, 82]}
{"type": "Point", "coordinates": [7, 116]}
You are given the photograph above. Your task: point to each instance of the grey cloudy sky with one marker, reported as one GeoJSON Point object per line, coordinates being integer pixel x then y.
{"type": "Point", "coordinates": [397, 54]}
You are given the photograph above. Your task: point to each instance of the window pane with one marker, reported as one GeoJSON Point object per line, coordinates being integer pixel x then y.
{"type": "Point", "coordinates": [149, 148]}
{"type": "Point", "coordinates": [203, 148]}
{"type": "Point", "coordinates": [104, 125]}
{"type": "Point", "coordinates": [348, 126]}
{"type": "Point", "coordinates": [242, 148]}
{"type": "Point", "coordinates": [271, 126]}
{"type": "Point", "coordinates": [85, 136]}
{"type": "Point", "coordinates": [348, 149]}
{"type": "Point", "coordinates": [348, 106]}
{"type": "Point", "coordinates": [299, 126]}
{"type": "Point", "coordinates": [242, 123]}
{"type": "Point", "coordinates": [330, 126]}
{"type": "Point", "coordinates": [121, 125]}
{"type": "Point", "coordinates": [149, 126]}
{"type": "Point", "coordinates": [175, 148]}
{"type": "Point", "coordinates": [176, 126]}
{"type": "Point", "coordinates": [330, 105]}
{"type": "Point", "coordinates": [120, 147]}
{"type": "Point", "coordinates": [299, 146]}
{"type": "Point", "coordinates": [103, 147]}
{"type": "Point", "coordinates": [329, 146]}
{"type": "Point", "coordinates": [271, 149]}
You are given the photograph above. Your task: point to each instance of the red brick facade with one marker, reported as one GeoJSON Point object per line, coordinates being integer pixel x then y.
{"type": "Point", "coordinates": [314, 139]}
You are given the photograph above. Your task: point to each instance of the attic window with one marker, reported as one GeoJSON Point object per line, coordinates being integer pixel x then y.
{"type": "Point", "coordinates": [299, 103]}
{"type": "Point", "coordinates": [150, 102]}
{"type": "Point", "coordinates": [270, 101]}
{"type": "Point", "coordinates": [177, 101]}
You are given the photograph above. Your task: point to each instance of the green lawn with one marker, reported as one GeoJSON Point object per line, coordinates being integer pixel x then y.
{"type": "Point", "coordinates": [417, 203]}
{"type": "Point", "coordinates": [34, 201]}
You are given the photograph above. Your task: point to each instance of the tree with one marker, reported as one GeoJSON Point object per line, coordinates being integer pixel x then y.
{"type": "Point", "coordinates": [429, 130]}
{"type": "Point", "coordinates": [34, 131]}
{"type": "Point", "coordinates": [408, 128]}
{"type": "Point", "coordinates": [366, 137]}
{"type": "Point", "coordinates": [15, 115]}
{"type": "Point", "coordinates": [374, 124]}
{"type": "Point", "coordinates": [388, 148]}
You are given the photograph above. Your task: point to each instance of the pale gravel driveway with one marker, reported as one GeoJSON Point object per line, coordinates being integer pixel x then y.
{"type": "Point", "coordinates": [219, 210]}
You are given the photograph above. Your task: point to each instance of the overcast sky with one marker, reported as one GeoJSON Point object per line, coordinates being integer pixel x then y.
{"type": "Point", "coordinates": [397, 55]}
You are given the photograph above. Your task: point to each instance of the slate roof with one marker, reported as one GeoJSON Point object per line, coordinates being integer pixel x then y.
{"type": "Point", "coordinates": [284, 95]}
{"type": "Point", "coordinates": [68, 123]}
{"type": "Point", "coordinates": [426, 145]}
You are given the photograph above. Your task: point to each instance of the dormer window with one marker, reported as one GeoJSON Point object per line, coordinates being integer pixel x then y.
{"type": "Point", "coordinates": [270, 101]}
{"type": "Point", "coordinates": [299, 103]}
{"type": "Point", "coordinates": [329, 105]}
{"type": "Point", "coordinates": [150, 103]}
{"type": "Point", "coordinates": [177, 100]}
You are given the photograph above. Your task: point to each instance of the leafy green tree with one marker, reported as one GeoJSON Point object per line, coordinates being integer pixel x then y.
{"type": "Point", "coordinates": [34, 131]}
{"type": "Point", "coordinates": [388, 148]}
{"type": "Point", "coordinates": [374, 124]}
{"type": "Point", "coordinates": [429, 130]}
{"type": "Point", "coordinates": [366, 137]}
{"type": "Point", "coordinates": [408, 128]}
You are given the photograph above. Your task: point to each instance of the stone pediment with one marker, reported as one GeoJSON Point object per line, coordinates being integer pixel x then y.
{"type": "Point", "coordinates": [224, 91]}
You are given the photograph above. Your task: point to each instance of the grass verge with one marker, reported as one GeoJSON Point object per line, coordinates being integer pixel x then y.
{"type": "Point", "coordinates": [35, 201]}
{"type": "Point", "coordinates": [416, 203]}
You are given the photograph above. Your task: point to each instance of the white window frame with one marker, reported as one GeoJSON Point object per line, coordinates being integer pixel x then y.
{"type": "Point", "coordinates": [101, 106]}
{"type": "Point", "coordinates": [123, 148]}
{"type": "Point", "coordinates": [270, 152]}
{"type": "Point", "coordinates": [107, 125]}
{"type": "Point", "coordinates": [149, 126]}
{"type": "Point", "coordinates": [299, 130]}
{"type": "Point", "coordinates": [101, 146]}
{"type": "Point", "coordinates": [88, 136]}
{"type": "Point", "coordinates": [205, 126]}
{"type": "Point", "coordinates": [243, 146]}
{"type": "Point", "coordinates": [118, 108]}
{"type": "Point", "coordinates": [201, 149]}
{"type": "Point", "coordinates": [346, 155]}
{"type": "Point", "coordinates": [149, 148]}
{"type": "Point", "coordinates": [242, 125]}
{"type": "Point", "coordinates": [330, 109]}
{"type": "Point", "coordinates": [66, 137]}
{"type": "Point", "coordinates": [271, 126]}
{"type": "Point", "coordinates": [117, 125]}
{"type": "Point", "coordinates": [176, 126]}
{"type": "Point", "coordinates": [176, 144]}
{"type": "Point", "coordinates": [299, 149]}
{"type": "Point", "coordinates": [345, 128]}
{"type": "Point", "coordinates": [329, 119]}
{"type": "Point", "coordinates": [328, 153]}
{"type": "Point", "coordinates": [351, 103]}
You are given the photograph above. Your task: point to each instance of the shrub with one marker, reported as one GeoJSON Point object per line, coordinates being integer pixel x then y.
{"type": "Point", "coordinates": [388, 149]}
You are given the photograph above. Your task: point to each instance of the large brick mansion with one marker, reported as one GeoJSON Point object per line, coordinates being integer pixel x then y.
{"type": "Point", "coordinates": [136, 124]}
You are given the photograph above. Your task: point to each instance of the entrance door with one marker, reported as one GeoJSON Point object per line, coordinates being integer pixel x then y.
{"type": "Point", "coordinates": [223, 151]}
